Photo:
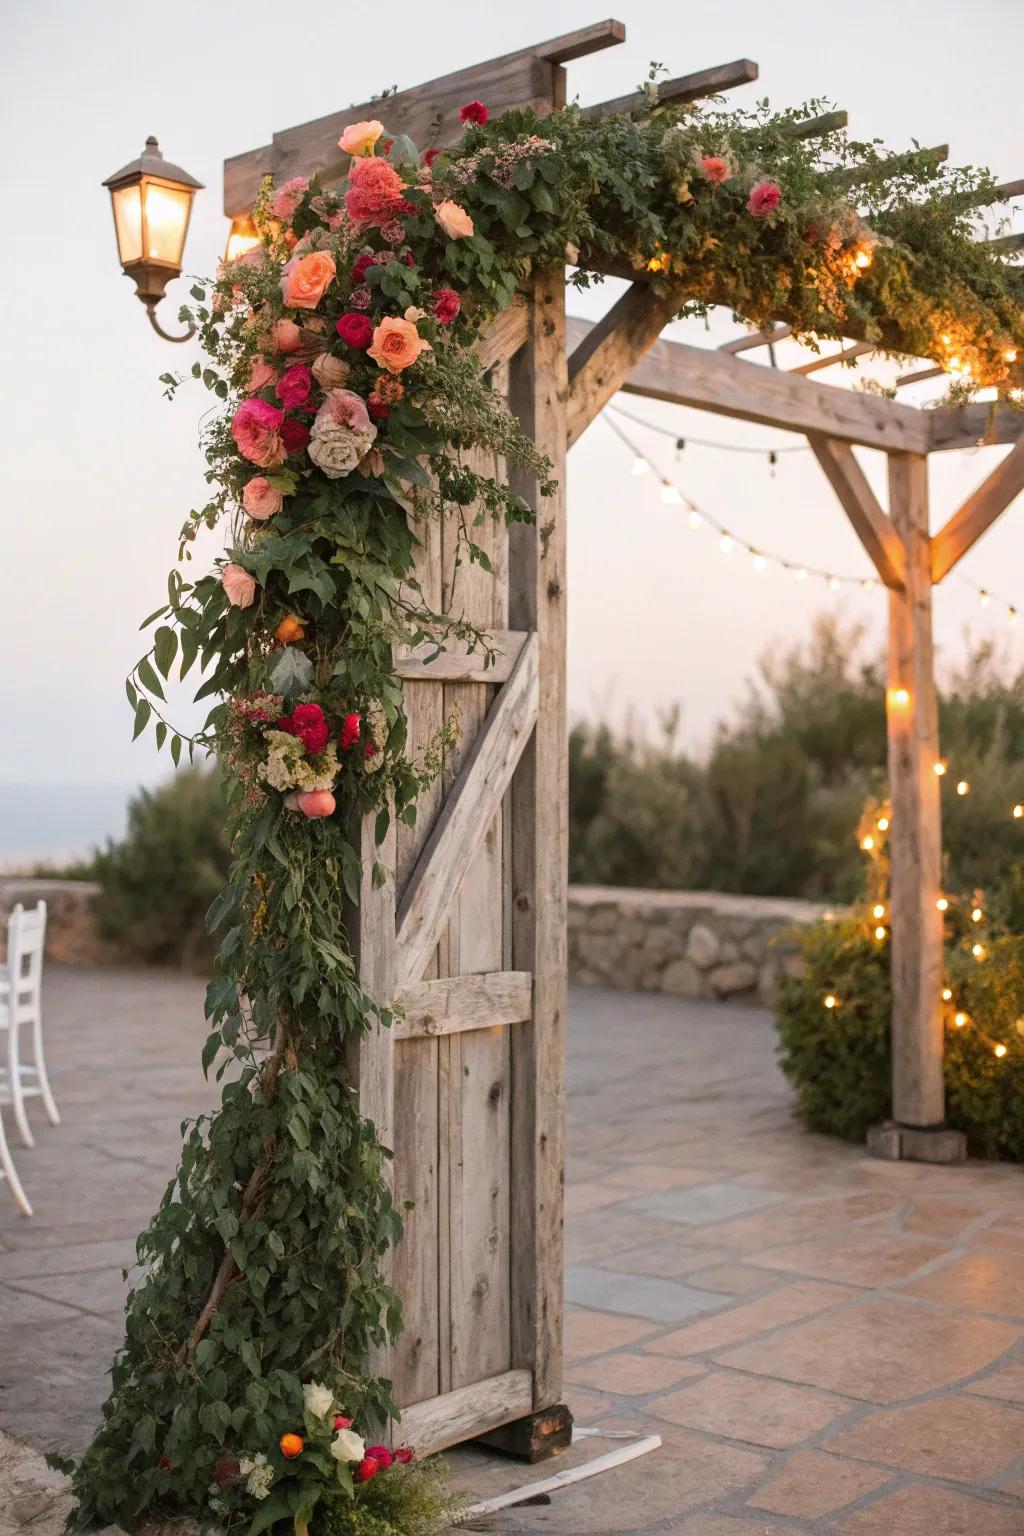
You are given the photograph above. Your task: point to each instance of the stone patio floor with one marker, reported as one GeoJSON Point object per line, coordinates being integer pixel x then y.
{"type": "Point", "coordinates": [825, 1343]}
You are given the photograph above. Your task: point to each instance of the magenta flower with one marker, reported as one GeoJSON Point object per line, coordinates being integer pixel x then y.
{"type": "Point", "coordinates": [764, 198]}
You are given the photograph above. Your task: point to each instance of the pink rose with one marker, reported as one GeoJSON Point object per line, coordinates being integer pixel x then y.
{"type": "Point", "coordinates": [262, 374]}
{"type": "Point", "coordinates": [455, 221]}
{"type": "Point", "coordinates": [239, 586]}
{"type": "Point", "coordinates": [360, 138]}
{"type": "Point", "coordinates": [346, 409]}
{"type": "Point", "coordinates": [256, 429]}
{"type": "Point", "coordinates": [288, 197]}
{"type": "Point", "coordinates": [306, 280]}
{"type": "Point", "coordinates": [260, 499]}
{"type": "Point", "coordinates": [764, 199]}
{"type": "Point", "coordinates": [714, 168]}
{"type": "Point", "coordinates": [286, 336]}
{"type": "Point", "coordinates": [294, 387]}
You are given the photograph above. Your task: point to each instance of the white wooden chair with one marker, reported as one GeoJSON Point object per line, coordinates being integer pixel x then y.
{"type": "Point", "coordinates": [21, 981]}
{"type": "Point", "coordinates": [7, 1168]}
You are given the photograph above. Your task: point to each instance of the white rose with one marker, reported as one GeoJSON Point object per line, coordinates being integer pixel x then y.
{"type": "Point", "coordinates": [317, 1400]}
{"type": "Point", "coordinates": [348, 1446]}
{"type": "Point", "coordinates": [336, 448]}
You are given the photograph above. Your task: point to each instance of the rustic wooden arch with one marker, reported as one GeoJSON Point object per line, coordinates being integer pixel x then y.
{"type": "Point", "coordinates": [468, 934]}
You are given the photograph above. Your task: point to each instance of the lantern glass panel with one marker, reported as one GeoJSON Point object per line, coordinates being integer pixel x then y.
{"type": "Point", "coordinates": [128, 222]}
{"type": "Point", "coordinates": [166, 220]}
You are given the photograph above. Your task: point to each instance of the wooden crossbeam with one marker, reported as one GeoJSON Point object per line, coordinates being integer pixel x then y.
{"type": "Point", "coordinates": [469, 810]}
{"type": "Point", "coordinates": [456, 1004]}
{"type": "Point", "coordinates": [818, 127]}
{"type": "Point", "coordinates": [972, 426]}
{"type": "Point", "coordinates": [600, 364]}
{"type": "Point", "coordinates": [880, 540]}
{"type": "Point", "coordinates": [504, 336]}
{"type": "Point", "coordinates": [1004, 245]}
{"type": "Point", "coordinates": [756, 339]}
{"type": "Point", "coordinates": [978, 513]}
{"type": "Point", "coordinates": [704, 82]}
{"type": "Point", "coordinates": [856, 349]}
{"type": "Point", "coordinates": [918, 376]}
{"type": "Point", "coordinates": [895, 165]}
{"type": "Point", "coordinates": [727, 386]}
{"type": "Point", "coordinates": [455, 664]}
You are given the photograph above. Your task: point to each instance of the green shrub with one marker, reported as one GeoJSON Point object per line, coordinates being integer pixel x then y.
{"type": "Point", "coordinates": [838, 1059]}
{"type": "Point", "coordinates": [158, 882]}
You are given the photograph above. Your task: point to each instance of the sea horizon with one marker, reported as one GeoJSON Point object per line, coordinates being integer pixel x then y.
{"type": "Point", "coordinates": [59, 824]}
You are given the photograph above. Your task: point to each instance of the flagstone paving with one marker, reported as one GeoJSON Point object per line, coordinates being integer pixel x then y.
{"type": "Point", "coordinates": [825, 1343]}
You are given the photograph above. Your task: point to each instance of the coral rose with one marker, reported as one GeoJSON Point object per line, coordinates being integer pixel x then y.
{"type": "Point", "coordinates": [330, 372]}
{"type": "Point", "coordinates": [306, 280]}
{"type": "Point", "coordinates": [375, 192]}
{"type": "Point", "coordinates": [446, 305]}
{"type": "Point", "coordinates": [359, 138]}
{"type": "Point", "coordinates": [239, 586]}
{"type": "Point", "coordinates": [286, 336]}
{"type": "Point", "coordinates": [396, 344]}
{"type": "Point", "coordinates": [473, 112]}
{"type": "Point", "coordinates": [291, 1446]}
{"type": "Point", "coordinates": [764, 198]}
{"type": "Point", "coordinates": [261, 374]}
{"type": "Point", "coordinates": [260, 499]}
{"type": "Point", "coordinates": [453, 219]}
{"type": "Point", "coordinates": [256, 429]}
{"type": "Point", "coordinates": [714, 168]}
{"type": "Point", "coordinates": [288, 197]}
{"type": "Point", "coordinates": [355, 330]}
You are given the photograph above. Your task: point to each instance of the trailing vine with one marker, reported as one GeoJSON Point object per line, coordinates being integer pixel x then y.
{"type": "Point", "coordinates": [342, 350]}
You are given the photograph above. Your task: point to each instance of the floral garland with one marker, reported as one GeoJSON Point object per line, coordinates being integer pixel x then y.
{"type": "Point", "coordinates": [342, 346]}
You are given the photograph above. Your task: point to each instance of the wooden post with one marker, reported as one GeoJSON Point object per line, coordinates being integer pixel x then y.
{"type": "Point", "coordinates": [915, 841]}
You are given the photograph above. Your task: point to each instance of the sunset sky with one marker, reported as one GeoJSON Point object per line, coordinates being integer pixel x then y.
{"type": "Point", "coordinates": [101, 470]}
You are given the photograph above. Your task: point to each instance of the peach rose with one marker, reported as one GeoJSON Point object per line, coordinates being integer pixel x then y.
{"type": "Point", "coordinates": [239, 586]}
{"type": "Point", "coordinates": [261, 375]}
{"type": "Point", "coordinates": [455, 221]}
{"type": "Point", "coordinates": [330, 372]}
{"type": "Point", "coordinates": [285, 336]}
{"type": "Point", "coordinates": [360, 138]}
{"type": "Point", "coordinates": [307, 280]}
{"type": "Point", "coordinates": [396, 344]}
{"type": "Point", "coordinates": [260, 499]}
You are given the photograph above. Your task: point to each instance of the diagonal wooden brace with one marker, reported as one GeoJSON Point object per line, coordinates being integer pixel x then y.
{"type": "Point", "coordinates": [603, 361]}
{"type": "Point", "coordinates": [882, 543]}
{"type": "Point", "coordinates": [978, 513]}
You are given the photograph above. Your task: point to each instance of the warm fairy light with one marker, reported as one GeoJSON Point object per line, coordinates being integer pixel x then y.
{"type": "Point", "coordinates": [963, 788]}
{"type": "Point", "coordinates": [868, 584]}
{"type": "Point", "coordinates": [800, 573]}
{"type": "Point", "coordinates": [831, 1001]}
{"type": "Point", "coordinates": [694, 520]}
{"type": "Point", "coordinates": [900, 696]}
{"type": "Point", "coordinates": [862, 259]}
{"type": "Point", "coordinates": [669, 495]}
{"type": "Point", "coordinates": [959, 1019]}
{"type": "Point", "coordinates": [867, 843]}
{"type": "Point", "coordinates": [940, 769]}
{"type": "Point", "coordinates": [878, 911]}
{"type": "Point", "coordinates": [879, 932]}
{"type": "Point", "coordinates": [947, 994]}
{"type": "Point", "coordinates": [1018, 812]}
{"type": "Point", "coordinates": [833, 583]}
{"type": "Point", "coordinates": [942, 904]}
{"type": "Point", "coordinates": [882, 823]}
{"type": "Point", "coordinates": [760, 563]}
{"type": "Point", "coordinates": [976, 915]}
{"type": "Point", "coordinates": [999, 1050]}
{"type": "Point", "coordinates": [1010, 355]}
{"type": "Point", "coordinates": [986, 597]}
{"type": "Point", "coordinates": [725, 544]}
{"type": "Point", "coordinates": [978, 951]}
{"type": "Point", "coordinates": [641, 467]}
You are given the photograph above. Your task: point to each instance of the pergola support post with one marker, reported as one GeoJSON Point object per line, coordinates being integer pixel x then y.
{"type": "Point", "coordinates": [917, 1130]}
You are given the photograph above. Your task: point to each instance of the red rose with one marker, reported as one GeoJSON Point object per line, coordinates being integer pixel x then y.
{"type": "Point", "coordinates": [340, 1421]}
{"type": "Point", "coordinates": [409, 259]}
{"type": "Point", "coordinates": [294, 435]}
{"type": "Point", "coordinates": [225, 1471]}
{"type": "Point", "coordinates": [404, 1454]}
{"type": "Point", "coordinates": [355, 330]}
{"type": "Point", "coordinates": [446, 304]}
{"type": "Point", "coordinates": [165, 1464]}
{"type": "Point", "coordinates": [381, 1455]}
{"type": "Point", "coordinates": [474, 112]}
{"type": "Point", "coordinates": [366, 1469]}
{"type": "Point", "coordinates": [349, 737]}
{"type": "Point", "coordinates": [294, 387]}
{"type": "Point", "coordinates": [309, 725]}
{"type": "Point", "coordinates": [362, 266]}
{"type": "Point", "coordinates": [378, 409]}
{"type": "Point", "coordinates": [430, 156]}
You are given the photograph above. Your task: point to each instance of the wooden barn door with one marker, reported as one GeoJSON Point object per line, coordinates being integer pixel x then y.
{"type": "Point", "coordinates": [468, 937]}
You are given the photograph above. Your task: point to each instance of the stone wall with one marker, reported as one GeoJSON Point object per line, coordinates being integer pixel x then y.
{"type": "Point", "coordinates": [71, 936]}
{"type": "Point", "coordinates": [687, 943]}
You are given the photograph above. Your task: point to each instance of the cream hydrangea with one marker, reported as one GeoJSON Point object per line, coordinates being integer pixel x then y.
{"type": "Point", "coordinates": [287, 766]}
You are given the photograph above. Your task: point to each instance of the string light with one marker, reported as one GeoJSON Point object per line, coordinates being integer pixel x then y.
{"type": "Point", "coordinates": [725, 545]}
{"type": "Point", "coordinates": [940, 769]}
{"type": "Point", "coordinates": [669, 495]}
{"type": "Point", "coordinates": [694, 520]}
{"type": "Point", "coordinates": [879, 932]}
{"type": "Point", "coordinates": [1018, 812]}
{"type": "Point", "coordinates": [960, 1019]}
{"type": "Point", "coordinates": [946, 994]}
{"type": "Point", "coordinates": [963, 788]}
{"type": "Point", "coordinates": [943, 904]}
{"type": "Point", "coordinates": [978, 951]}
{"type": "Point", "coordinates": [900, 696]}
{"type": "Point", "coordinates": [640, 467]}
{"type": "Point", "coordinates": [882, 823]}
{"type": "Point", "coordinates": [999, 1050]}
{"type": "Point", "coordinates": [878, 911]}
{"type": "Point", "coordinates": [760, 563]}
{"type": "Point", "coordinates": [831, 1001]}
{"type": "Point", "coordinates": [976, 915]}
{"type": "Point", "coordinates": [867, 843]}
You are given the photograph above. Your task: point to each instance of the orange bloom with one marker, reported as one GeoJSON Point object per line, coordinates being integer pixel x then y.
{"type": "Point", "coordinates": [291, 1446]}
{"type": "Point", "coordinates": [308, 280]}
{"type": "Point", "coordinates": [289, 631]}
{"type": "Point", "coordinates": [453, 219]}
{"type": "Point", "coordinates": [396, 344]}
{"type": "Point", "coordinates": [359, 138]}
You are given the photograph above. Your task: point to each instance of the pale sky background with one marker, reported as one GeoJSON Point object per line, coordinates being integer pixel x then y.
{"type": "Point", "coordinates": [100, 470]}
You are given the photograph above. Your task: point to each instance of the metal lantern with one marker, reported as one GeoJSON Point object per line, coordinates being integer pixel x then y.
{"type": "Point", "coordinates": [152, 205]}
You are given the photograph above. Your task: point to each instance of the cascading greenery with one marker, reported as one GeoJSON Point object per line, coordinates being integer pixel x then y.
{"type": "Point", "coordinates": [342, 349]}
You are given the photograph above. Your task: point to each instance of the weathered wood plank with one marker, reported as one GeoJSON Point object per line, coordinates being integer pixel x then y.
{"type": "Point", "coordinates": [877, 534]}
{"type": "Point", "coordinates": [452, 1004]}
{"type": "Point", "coordinates": [756, 339]}
{"type": "Point", "coordinates": [977, 514]}
{"type": "Point", "coordinates": [607, 353]}
{"type": "Point", "coordinates": [714, 381]}
{"type": "Point", "coordinates": [470, 1410]}
{"type": "Point", "coordinates": [972, 426]}
{"type": "Point", "coordinates": [818, 127]}
{"type": "Point", "coordinates": [467, 812]}
{"type": "Point", "coordinates": [828, 360]}
{"type": "Point", "coordinates": [456, 665]}
{"type": "Point", "coordinates": [693, 87]}
{"type": "Point", "coordinates": [916, 837]}
{"type": "Point", "coordinates": [539, 833]}
{"type": "Point", "coordinates": [504, 336]}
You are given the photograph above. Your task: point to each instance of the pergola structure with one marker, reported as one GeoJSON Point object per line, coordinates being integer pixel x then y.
{"type": "Point", "coordinates": [468, 935]}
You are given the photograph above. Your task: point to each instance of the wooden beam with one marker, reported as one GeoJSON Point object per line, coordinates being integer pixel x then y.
{"type": "Point", "coordinates": [880, 540]}
{"type": "Point", "coordinates": [603, 359]}
{"type": "Point", "coordinates": [714, 381]}
{"type": "Point", "coordinates": [464, 818]}
{"type": "Point", "coordinates": [503, 337]}
{"type": "Point", "coordinates": [856, 349]}
{"type": "Point", "coordinates": [915, 839]}
{"type": "Point", "coordinates": [973, 426]}
{"type": "Point", "coordinates": [442, 1421]}
{"type": "Point", "coordinates": [585, 40]}
{"type": "Point", "coordinates": [704, 82]}
{"type": "Point", "coordinates": [817, 127]}
{"type": "Point", "coordinates": [886, 169]}
{"type": "Point", "coordinates": [977, 514]}
{"type": "Point", "coordinates": [457, 665]}
{"type": "Point", "coordinates": [459, 1003]}
{"type": "Point", "coordinates": [918, 376]}
{"type": "Point", "coordinates": [1005, 245]}
{"type": "Point", "coordinates": [756, 339]}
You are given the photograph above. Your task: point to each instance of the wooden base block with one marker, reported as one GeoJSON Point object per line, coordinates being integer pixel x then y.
{"type": "Point", "coordinates": [546, 1432]}
{"type": "Point", "coordinates": [916, 1144]}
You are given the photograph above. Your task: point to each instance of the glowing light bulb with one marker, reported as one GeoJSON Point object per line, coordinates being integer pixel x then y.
{"type": "Point", "coordinates": [879, 932]}
{"type": "Point", "coordinates": [999, 1050]}
{"type": "Point", "coordinates": [760, 563]}
{"type": "Point", "coordinates": [978, 951]}
{"type": "Point", "coordinates": [878, 911]}
{"type": "Point", "coordinates": [900, 696]}
{"type": "Point", "coordinates": [1010, 355]}
{"type": "Point", "coordinates": [862, 259]}
{"type": "Point", "coordinates": [669, 495]}
{"type": "Point", "coordinates": [986, 598]}
{"type": "Point", "coordinates": [694, 521]}
{"type": "Point", "coordinates": [725, 544]}
{"type": "Point", "coordinates": [963, 788]}
{"type": "Point", "coordinates": [1018, 812]}
{"type": "Point", "coordinates": [940, 769]}
{"type": "Point", "coordinates": [867, 843]}
{"type": "Point", "coordinates": [882, 823]}
{"type": "Point", "coordinates": [946, 994]}
{"type": "Point", "coordinates": [959, 1019]}
{"type": "Point", "coordinates": [942, 904]}
{"type": "Point", "coordinates": [833, 583]}
{"type": "Point", "coordinates": [800, 573]}
{"type": "Point", "coordinates": [868, 584]}
{"type": "Point", "coordinates": [641, 467]}
{"type": "Point", "coordinates": [830, 1001]}
{"type": "Point", "coordinates": [976, 915]}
